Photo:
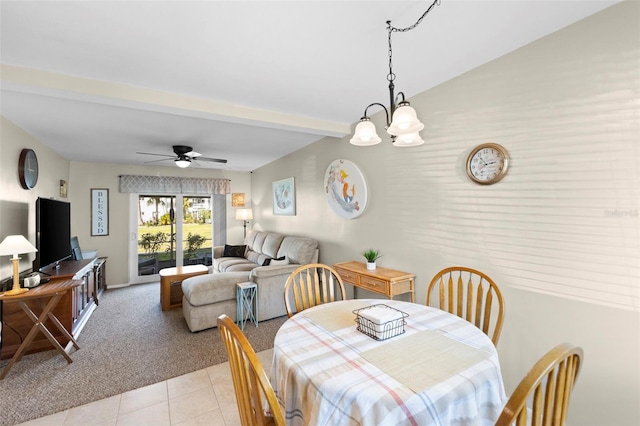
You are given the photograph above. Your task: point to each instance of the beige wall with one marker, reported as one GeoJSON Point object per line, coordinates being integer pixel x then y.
{"type": "Point", "coordinates": [424, 214]}
{"type": "Point", "coordinates": [17, 205]}
{"type": "Point", "coordinates": [85, 176]}
{"type": "Point", "coordinates": [567, 109]}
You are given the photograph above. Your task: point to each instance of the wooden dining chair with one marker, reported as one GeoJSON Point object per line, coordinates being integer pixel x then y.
{"type": "Point", "coordinates": [311, 285]}
{"type": "Point", "coordinates": [251, 383]}
{"type": "Point", "coordinates": [548, 386]}
{"type": "Point", "coordinates": [470, 294]}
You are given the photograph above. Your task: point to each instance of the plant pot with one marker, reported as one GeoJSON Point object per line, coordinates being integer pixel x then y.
{"type": "Point", "coordinates": [371, 266]}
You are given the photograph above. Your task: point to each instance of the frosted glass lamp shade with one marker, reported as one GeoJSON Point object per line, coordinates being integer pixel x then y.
{"type": "Point", "coordinates": [411, 139]}
{"type": "Point", "coordinates": [365, 134]}
{"type": "Point", "coordinates": [244, 214]}
{"type": "Point", "coordinates": [182, 163]}
{"type": "Point", "coordinates": [404, 121]}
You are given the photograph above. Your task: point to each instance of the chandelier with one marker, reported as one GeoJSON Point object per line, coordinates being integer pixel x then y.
{"type": "Point", "coordinates": [404, 126]}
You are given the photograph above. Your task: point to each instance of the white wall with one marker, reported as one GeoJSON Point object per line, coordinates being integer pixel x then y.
{"type": "Point", "coordinates": [567, 108]}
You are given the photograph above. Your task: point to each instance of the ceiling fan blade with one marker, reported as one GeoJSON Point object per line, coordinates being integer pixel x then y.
{"type": "Point", "coordinates": [160, 155]}
{"type": "Point", "coordinates": [156, 161]}
{"type": "Point", "coordinates": [211, 160]}
{"type": "Point", "coordinates": [193, 154]}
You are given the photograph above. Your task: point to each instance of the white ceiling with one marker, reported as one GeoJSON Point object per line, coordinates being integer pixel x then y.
{"type": "Point", "coordinates": [246, 81]}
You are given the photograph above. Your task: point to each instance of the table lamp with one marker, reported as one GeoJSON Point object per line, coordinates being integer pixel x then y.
{"type": "Point", "coordinates": [245, 215]}
{"type": "Point", "coordinates": [14, 245]}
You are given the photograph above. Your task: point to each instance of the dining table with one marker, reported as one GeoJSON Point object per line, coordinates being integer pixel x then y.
{"type": "Point", "coordinates": [439, 370]}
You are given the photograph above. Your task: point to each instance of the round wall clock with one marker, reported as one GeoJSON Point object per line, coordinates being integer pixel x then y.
{"type": "Point", "coordinates": [487, 163]}
{"type": "Point", "coordinates": [28, 168]}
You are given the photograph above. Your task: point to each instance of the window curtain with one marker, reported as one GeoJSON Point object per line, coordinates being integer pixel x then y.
{"type": "Point", "coordinates": [161, 185]}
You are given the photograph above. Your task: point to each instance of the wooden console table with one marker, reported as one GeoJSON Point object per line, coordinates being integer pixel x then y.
{"type": "Point", "coordinates": [73, 309]}
{"type": "Point", "coordinates": [54, 290]}
{"type": "Point", "coordinates": [388, 282]}
{"type": "Point", "coordinates": [171, 284]}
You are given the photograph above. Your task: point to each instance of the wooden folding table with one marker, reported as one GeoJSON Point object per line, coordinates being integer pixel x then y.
{"type": "Point", "coordinates": [54, 290]}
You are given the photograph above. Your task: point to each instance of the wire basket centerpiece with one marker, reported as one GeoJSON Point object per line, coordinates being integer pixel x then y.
{"type": "Point", "coordinates": [380, 322]}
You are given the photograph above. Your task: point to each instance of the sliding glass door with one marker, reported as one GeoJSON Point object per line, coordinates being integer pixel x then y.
{"type": "Point", "coordinates": [170, 230]}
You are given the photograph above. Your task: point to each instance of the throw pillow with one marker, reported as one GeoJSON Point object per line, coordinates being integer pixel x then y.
{"type": "Point", "coordinates": [234, 251]}
{"type": "Point", "coordinates": [280, 261]}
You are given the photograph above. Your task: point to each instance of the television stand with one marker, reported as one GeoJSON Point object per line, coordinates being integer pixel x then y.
{"type": "Point", "coordinates": [73, 309]}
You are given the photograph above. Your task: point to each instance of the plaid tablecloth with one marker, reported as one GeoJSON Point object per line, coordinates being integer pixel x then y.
{"type": "Point", "coordinates": [442, 370]}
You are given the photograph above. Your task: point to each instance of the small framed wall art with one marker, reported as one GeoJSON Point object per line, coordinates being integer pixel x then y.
{"type": "Point", "coordinates": [63, 188]}
{"type": "Point", "coordinates": [345, 188]}
{"type": "Point", "coordinates": [284, 197]}
{"type": "Point", "coordinates": [237, 199]}
{"type": "Point", "coordinates": [99, 212]}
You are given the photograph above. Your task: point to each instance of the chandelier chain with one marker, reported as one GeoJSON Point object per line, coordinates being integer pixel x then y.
{"type": "Point", "coordinates": [391, 76]}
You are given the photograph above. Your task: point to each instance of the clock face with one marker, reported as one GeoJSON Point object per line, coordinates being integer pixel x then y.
{"type": "Point", "coordinates": [28, 168]}
{"type": "Point", "coordinates": [487, 163]}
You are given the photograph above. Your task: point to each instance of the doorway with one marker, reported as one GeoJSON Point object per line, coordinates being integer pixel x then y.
{"type": "Point", "coordinates": [170, 230]}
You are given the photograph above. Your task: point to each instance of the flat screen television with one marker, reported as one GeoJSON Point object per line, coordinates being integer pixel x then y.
{"type": "Point", "coordinates": [53, 233]}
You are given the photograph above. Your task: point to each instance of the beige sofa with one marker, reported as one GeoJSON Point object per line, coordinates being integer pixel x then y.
{"type": "Point", "coordinates": [205, 297]}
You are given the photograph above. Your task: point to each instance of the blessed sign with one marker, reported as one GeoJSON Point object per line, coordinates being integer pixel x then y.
{"type": "Point", "coordinates": [99, 212]}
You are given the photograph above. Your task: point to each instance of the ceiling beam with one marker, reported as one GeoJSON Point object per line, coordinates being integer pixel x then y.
{"type": "Point", "coordinates": [47, 83]}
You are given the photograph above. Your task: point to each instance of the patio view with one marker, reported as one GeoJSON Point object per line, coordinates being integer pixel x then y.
{"type": "Point", "coordinates": [158, 234]}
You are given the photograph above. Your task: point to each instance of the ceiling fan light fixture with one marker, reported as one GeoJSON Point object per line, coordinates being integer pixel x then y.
{"type": "Point", "coordinates": [183, 162]}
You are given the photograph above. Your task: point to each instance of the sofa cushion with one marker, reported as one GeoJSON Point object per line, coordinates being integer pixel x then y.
{"type": "Point", "coordinates": [199, 290]}
{"type": "Point", "coordinates": [254, 256]}
{"type": "Point", "coordinates": [250, 238]}
{"type": "Point", "coordinates": [272, 244]}
{"type": "Point", "coordinates": [258, 241]}
{"type": "Point", "coordinates": [223, 264]}
{"type": "Point", "coordinates": [298, 250]}
{"type": "Point", "coordinates": [234, 251]}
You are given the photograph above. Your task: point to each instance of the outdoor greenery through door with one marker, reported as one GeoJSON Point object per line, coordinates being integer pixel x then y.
{"type": "Point", "coordinates": [162, 240]}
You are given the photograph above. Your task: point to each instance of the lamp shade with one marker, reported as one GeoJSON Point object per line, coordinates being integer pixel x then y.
{"type": "Point", "coordinates": [404, 121]}
{"type": "Point", "coordinates": [244, 214]}
{"type": "Point", "coordinates": [182, 162]}
{"type": "Point", "coordinates": [15, 245]}
{"type": "Point", "coordinates": [365, 134]}
{"type": "Point", "coordinates": [411, 139]}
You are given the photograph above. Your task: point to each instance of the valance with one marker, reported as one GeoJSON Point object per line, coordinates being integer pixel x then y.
{"type": "Point", "coordinates": [161, 185]}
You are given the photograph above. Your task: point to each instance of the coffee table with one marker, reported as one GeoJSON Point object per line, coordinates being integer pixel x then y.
{"type": "Point", "coordinates": [171, 284]}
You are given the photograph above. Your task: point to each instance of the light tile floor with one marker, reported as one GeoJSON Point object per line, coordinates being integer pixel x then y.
{"type": "Point", "coordinates": [204, 397]}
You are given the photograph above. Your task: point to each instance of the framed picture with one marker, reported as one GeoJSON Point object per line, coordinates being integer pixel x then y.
{"type": "Point", "coordinates": [63, 188]}
{"type": "Point", "coordinates": [284, 197]}
{"type": "Point", "coordinates": [237, 199]}
{"type": "Point", "coordinates": [99, 212]}
{"type": "Point", "coordinates": [345, 188]}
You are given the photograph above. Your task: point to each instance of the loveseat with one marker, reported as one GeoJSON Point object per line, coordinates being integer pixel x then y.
{"type": "Point", "coordinates": [267, 259]}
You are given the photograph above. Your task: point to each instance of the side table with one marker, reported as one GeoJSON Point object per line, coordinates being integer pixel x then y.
{"type": "Point", "coordinates": [171, 284]}
{"type": "Point", "coordinates": [388, 282]}
{"type": "Point", "coordinates": [246, 303]}
{"type": "Point", "coordinates": [54, 290]}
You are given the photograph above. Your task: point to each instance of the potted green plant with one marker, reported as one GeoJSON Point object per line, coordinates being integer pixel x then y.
{"type": "Point", "coordinates": [371, 255]}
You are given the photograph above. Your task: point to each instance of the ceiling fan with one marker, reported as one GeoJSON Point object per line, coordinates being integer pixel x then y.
{"type": "Point", "coordinates": [183, 157]}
